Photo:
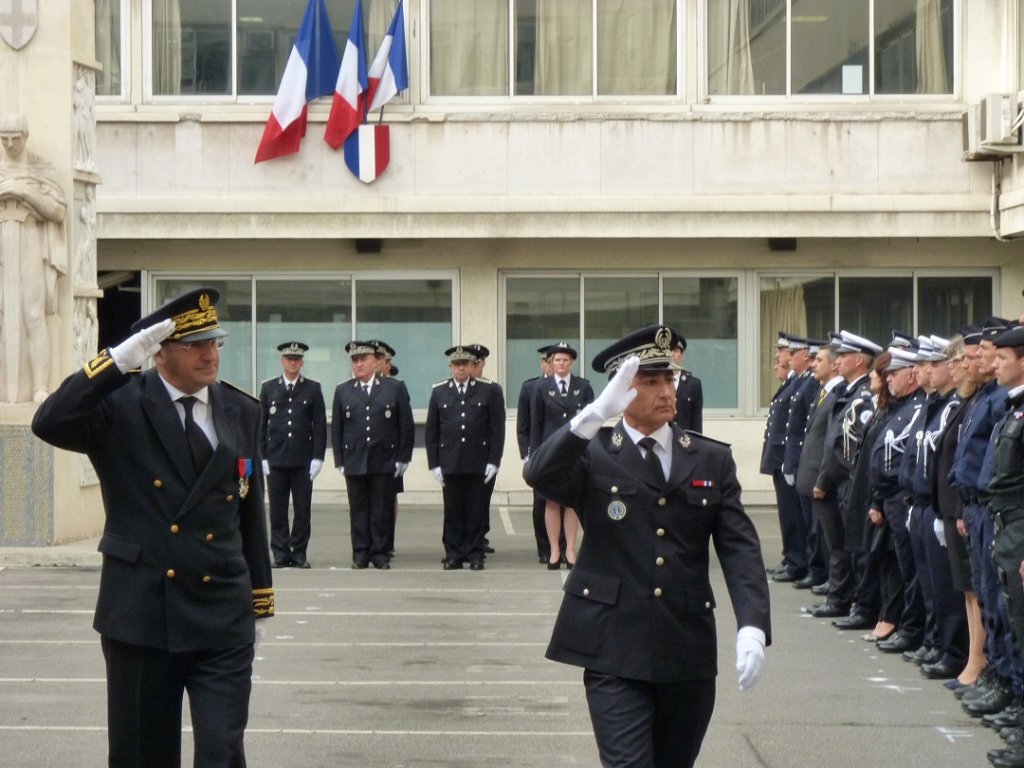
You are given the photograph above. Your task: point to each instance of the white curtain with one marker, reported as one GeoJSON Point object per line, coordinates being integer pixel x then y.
{"type": "Point", "coordinates": [108, 47]}
{"type": "Point", "coordinates": [167, 65]}
{"type": "Point", "coordinates": [377, 22]}
{"type": "Point", "coordinates": [782, 309]}
{"type": "Point", "coordinates": [564, 59]}
{"type": "Point", "coordinates": [636, 47]}
{"type": "Point", "coordinates": [730, 69]}
{"type": "Point", "coordinates": [469, 48]}
{"type": "Point", "coordinates": [931, 56]}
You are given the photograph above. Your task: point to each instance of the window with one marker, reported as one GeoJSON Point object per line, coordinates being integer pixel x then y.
{"type": "Point", "coordinates": [566, 48]}
{"type": "Point", "coordinates": [227, 48]}
{"type": "Point", "coordinates": [414, 315]}
{"type": "Point", "coordinates": [835, 47]}
{"type": "Point", "coordinates": [110, 16]}
{"type": "Point", "coordinates": [873, 307]}
{"type": "Point", "coordinates": [544, 310]}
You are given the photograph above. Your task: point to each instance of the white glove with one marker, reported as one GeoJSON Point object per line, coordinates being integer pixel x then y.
{"type": "Point", "coordinates": [266, 467]}
{"type": "Point", "coordinates": [790, 479]}
{"type": "Point", "coordinates": [133, 351]}
{"type": "Point", "coordinates": [438, 475]}
{"type": "Point", "coordinates": [615, 398]}
{"type": "Point", "coordinates": [260, 632]}
{"type": "Point", "coordinates": [315, 465]}
{"type": "Point", "coordinates": [400, 467]}
{"type": "Point", "coordinates": [749, 656]}
{"type": "Point", "coordinates": [489, 472]}
{"type": "Point", "coordinates": [341, 471]}
{"type": "Point", "coordinates": [940, 531]}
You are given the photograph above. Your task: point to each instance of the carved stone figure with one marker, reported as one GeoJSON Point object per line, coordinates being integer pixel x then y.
{"type": "Point", "coordinates": [84, 121]}
{"type": "Point", "coordinates": [33, 255]}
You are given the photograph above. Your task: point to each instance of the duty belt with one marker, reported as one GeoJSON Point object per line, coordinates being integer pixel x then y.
{"type": "Point", "coordinates": [1007, 516]}
{"type": "Point", "coordinates": [968, 496]}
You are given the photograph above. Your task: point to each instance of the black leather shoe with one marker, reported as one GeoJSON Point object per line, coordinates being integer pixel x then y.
{"type": "Point", "coordinates": [554, 566]}
{"type": "Point", "coordinates": [831, 610]}
{"type": "Point", "coordinates": [476, 565]}
{"type": "Point", "coordinates": [923, 655]}
{"type": "Point", "coordinates": [382, 563]}
{"type": "Point", "coordinates": [282, 563]}
{"type": "Point", "coordinates": [821, 589]}
{"type": "Point", "coordinates": [452, 565]}
{"type": "Point", "coordinates": [1011, 757]}
{"type": "Point", "coordinates": [360, 564]}
{"type": "Point", "coordinates": [897, 644]}
{"type": "Point", "coordinates": [998, 697]}
{"type": "Point", "coordinates": [1008, 718]}
{"type": "Point", "coordinates": [941, 670]}
{"type": "Point", "coordinates": [489, 549]}
{"type": "Point", "coordinates": [806, 582]}
{"type": "Point", "coordinates": [855, 620]}
{"type": "Point", "coordinates": [1014, 737]}
{"type": "Point", "coordinates": [300, 562]}
{"type": "Point", "coordinates": [785, 577]}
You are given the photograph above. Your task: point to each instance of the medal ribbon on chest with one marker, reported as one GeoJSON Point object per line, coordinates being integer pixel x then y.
{"type": "Point", "coordinates": [244, 473]}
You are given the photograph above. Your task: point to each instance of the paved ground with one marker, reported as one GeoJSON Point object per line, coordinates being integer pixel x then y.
{"type": "Point", "coordinates": [420, 668]}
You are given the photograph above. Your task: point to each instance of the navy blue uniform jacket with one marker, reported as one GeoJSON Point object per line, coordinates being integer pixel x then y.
{"type": "Point", "coordinates": [638, 603]}
{"type": "Point", "coordinates": [294, 427]}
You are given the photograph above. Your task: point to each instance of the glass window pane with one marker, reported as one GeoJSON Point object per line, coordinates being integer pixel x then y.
{"type": "Point", "coordinates": [234, 313]}
{"type": "Point", "coordinates": [315, 312]}
{"type": "Point", "coordinates": [636, 47]}
{"type": "Point", "coordinates": [538, 311]}
{"type": "Point", "coordinates": [874, 306]}
{"type": "Point", "coordinates": [554, 47]}
{"type": "Point", "coordinates": [946, 303]}
{"type": "Point", "coordinates": [469, 47]}
{"type": "Point", "coordinates": [191, 47]}
{"type": "Point", "coordinates": [108, 47]}
{"type": "Point", "coordinates": [613, 308]}
{"type": "Point", "coordinates": [914, 46]}
{"type": "Point", "coordinates": [703, 310]}
{"type": "Point", "coordinates": [830, 46]}
{"type": "Point", "coordinates": [746, 47]}
{"type": "Point", "coordinates": [801, 305]}
{"type": "Point", "coordinates": [414, 317]}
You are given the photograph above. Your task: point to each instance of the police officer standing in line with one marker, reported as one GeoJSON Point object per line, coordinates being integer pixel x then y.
{"type": "Point", "coordinates": [186, 564]}
{"type": "Point", "coordinates": [372, 440]}
{"type": "Point", "coordinates": [465, 437]}
{"type": "Point", "coordinates": [689, 392]}
{"type": "Point", "coordinates": [383, 355]}
{"type": "Point", "coordinates": [481, 353]}
{"type": "Point", "coordinates": [540, 533]}
{"type": "Point", "coordinates": [293, 438]}
{"type": "Point", "coordinates": [638, 611]}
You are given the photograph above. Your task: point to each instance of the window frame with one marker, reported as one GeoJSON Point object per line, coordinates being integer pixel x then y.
{"type": "Point", "coordinates": [127, 63]}
{"type": "Point", "coordinates": [914, 100]}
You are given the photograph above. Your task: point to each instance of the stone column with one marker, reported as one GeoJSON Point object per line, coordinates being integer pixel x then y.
{"type": "Point", "coordinates": [48, 210]}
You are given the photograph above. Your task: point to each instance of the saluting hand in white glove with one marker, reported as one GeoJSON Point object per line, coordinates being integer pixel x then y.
{"type": "Point", "coordinates": [133, 351]}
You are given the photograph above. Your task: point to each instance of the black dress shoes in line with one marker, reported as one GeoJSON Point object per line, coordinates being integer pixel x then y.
{"type": "Point", "coordinates": [382, 563]}
{"type": "Point", "coordinates": [941, 670]}
{"type": "Point", "coordinates": [821, 589]}
{"type": "Point", "coordinates": [807, 582]}
{"type": "Point", "coordinates": [282, 563]}
{"type": "Point", "coordinates": [785, 577]}
{"type": "Point", "coordinates": [855, 620]}
{"type": "Point", "coordinates": [476, 565]}
{"type": "Point", "coordinates": [452, 565]}
{"type": "Point", "coordinates": [300, 562]}
{"type": "Point", "coordinates": [897, 644]}
{"type": "Point", "coordinates": [924, 656]}
{"type": "Point", "coordinates": [360, 564]}
{"type": "Point", "coordinates": [831, 610]}
{"type": "Point", "coordinates": [1011, 757]}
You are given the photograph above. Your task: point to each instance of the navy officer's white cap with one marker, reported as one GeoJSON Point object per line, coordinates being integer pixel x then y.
{"type": "Point", "coordinates": [851, 342]}
{"type": "Point", "coordinates": [901, 358]}
{"type": "Point", "coordinates": [901, 340]}
{"type": "Point", "coordinates": [783, 340]}
{"type": "Point", "coordinates": [815, 345]}
{"type": "Point", "coordinates": [798, 342]}
{"type": "Point", "coordinates": [936, 348]}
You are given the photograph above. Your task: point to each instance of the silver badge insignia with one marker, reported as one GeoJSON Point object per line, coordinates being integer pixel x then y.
{"type": "Point", "coordinates": [685, 441]}
{"type": "Point", "coordinates": [616, 510]}
{"type": "Point", "coordinates": [617, 439]}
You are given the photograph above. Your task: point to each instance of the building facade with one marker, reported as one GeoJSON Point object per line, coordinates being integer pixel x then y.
{"type": "Point", "coordinates": [567, 170]}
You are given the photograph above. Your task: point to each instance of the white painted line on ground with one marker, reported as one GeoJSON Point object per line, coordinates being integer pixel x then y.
{"type": "Point", "coordinates": [506, 521]}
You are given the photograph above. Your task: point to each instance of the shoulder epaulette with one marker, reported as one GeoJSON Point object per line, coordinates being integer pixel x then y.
{"type": "Point", "coordinates": [484, 381]}
{"type": "Point", "coordinates": [702, 436]}
{"type": "Point", "coordinates": [441, 383]}
{"type": "Point", "coordinates": [238, 389]}
{"type": "Point", "coordinates": [393, 378]}
{"type": "Point", "coordinates": [267, 381]}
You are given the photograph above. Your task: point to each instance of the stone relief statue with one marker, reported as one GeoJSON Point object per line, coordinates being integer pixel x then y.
{"type": "Point", "coordinates": [84, 120]}
{"type": "Point", "coordinates": [33, 255]}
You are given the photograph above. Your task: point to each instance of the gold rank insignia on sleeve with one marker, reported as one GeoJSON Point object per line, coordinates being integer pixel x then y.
{"type": "Point", "coordinates": [263, 602]}
{"type": "Point", "coordinates": [98, 364]}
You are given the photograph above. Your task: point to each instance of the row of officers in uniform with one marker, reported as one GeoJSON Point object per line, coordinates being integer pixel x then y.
{"type": "Point", "coordinates": [372, 435]}
{"type": "Point", "coordinates": [899, 479]}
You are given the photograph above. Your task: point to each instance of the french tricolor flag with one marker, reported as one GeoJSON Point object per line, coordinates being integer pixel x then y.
{"type": "Point", "coordinates": [310, 72]}
{"type": "Point", "coordinates": [349, 107]}
{"type": "Point", "coordinates": [368, 151]}
{"type": "Point", "coordinates": [389, 72]}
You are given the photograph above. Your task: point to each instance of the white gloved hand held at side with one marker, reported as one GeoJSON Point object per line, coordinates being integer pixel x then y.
{"type": "Point", "coordinates": [341, 471]}
{"type": "Point", "coordinates": [266, 467]}
{"type": "Point", "coordinates": [940, 531]}
{"type": "Point", "coordinates": [133, 351]}
{"type": "Point", "coordinates": [438, 475]}
{"type": "Point", "coordinates": [489, 472]}
{"type": "Point", "coordinates": [750, 660]}
{"type": "Point", "coordinates": [400, 467]}
{"type": "Point", "coordinates": [315, 465]}
{"type": "Point", "coordinates": [790, 480]}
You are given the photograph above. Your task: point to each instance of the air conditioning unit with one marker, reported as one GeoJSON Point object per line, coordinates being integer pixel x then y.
{"type": "Point", "coordinates": [970, 127]}
{"type": "Point", "coordinates": [999, 119]}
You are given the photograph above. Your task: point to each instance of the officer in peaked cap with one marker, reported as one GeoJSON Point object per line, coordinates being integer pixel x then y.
{"type": "Point", "coordinates": [384, 354]}
{"type": "Point", "coordinates": [523, 422]}
{"type": "Point", "coordinates": [560, 397]}
{"type": "Point", "coordinates": [481, 353]}
{"type": "Point", "coordinates": [372, 439]}
{"type": "Point", "coordinates": [465, 438]}
{"type": "Point", "coordinates": [637, 610]}
{"type": "Point", "coordinates": [689, 391]}
{"type": "Point", "coordinates": [901, 340]}
{"type": "Point", "coordinates": [293, 438]}
{"type": "Point", "coordinates": [186, 564]}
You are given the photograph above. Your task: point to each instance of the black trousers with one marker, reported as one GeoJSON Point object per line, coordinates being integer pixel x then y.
{"type": "Point", "coordinates": [648, 725]}
{"type": "Point", "coordinates": [840, 559]}
{"type": "Point", "coordinates": [145, 687]}
{"type": "Point", "coordinates": [792, 526]}
{"type": "Point", "coordinates": [288, 542]}
{"type": "Point", "coordinates": [948, 609]}
{"type": "Point", "coordinates": [911, 621]}
{"type": "Point", "coordinates": [371, 510]}
{"type": "Point", "coordinates": [465, 517]}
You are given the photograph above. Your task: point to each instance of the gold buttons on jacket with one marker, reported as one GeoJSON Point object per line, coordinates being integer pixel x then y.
{"type": "Point", "coordinates": [170, 573]}
{"type": "Point", "coordinates": [660, 561]}
{"type": "Point", "coordinates": [707, 604]}
{"type": "Point", "coordinates": [209, 537]}
{"type": "Point", "coordinates": [158, 483]}
{"type": "Point", "coordinates": [660, 532]}
{"type": "Point", "coordinates": [662, 501]}
{"type": "Point", "coordinates": [657, 591]}
{"type": "Point", "coordinates": [175, 528]}
{"type": "Point", "coordinates": [230, 497]}
{"type": "Point", "coordinates": [207, 579]}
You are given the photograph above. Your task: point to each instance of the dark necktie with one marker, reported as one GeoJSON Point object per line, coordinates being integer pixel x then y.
{"type": "Point", "coordinates": [564, 388]}
{"type": "Point", "coordinates": [648, 443]}
{"type": "Point", "coordinates": [290, 387]}
{"type": "Point", "coordinates": [366, 389]}
{"type": "Point", "coordinates": [462, 390]}
{"type": "Point", "coordinates": [198, 442]}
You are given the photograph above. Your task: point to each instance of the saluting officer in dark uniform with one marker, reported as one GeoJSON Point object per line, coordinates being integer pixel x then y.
{"type": "Point", "coordinates": [689, 392]}
{"type": "Point", "coordinates": [293, 438]}
{"type": "Point", "coordinates": [372, 439]}
{"type": "Point", "coordinates": [186, 565]}
{"type": "Point", "coordinates": [465, 437]}
{"type": "Point", "coordinates": [540, 533]}
{"type": "Point", "coordinates": [638, 609]}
